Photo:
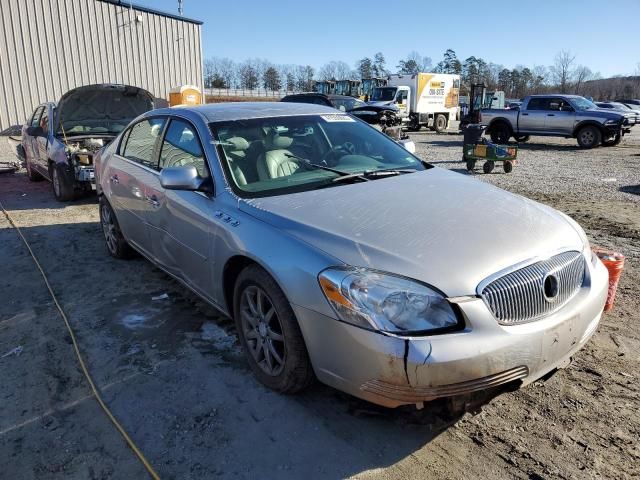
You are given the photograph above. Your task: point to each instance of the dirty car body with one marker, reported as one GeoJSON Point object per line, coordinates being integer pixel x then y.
{"type": "Point", "coordinates": [60, 140]}
{"type": "Point", "coordinates": [396, 290]}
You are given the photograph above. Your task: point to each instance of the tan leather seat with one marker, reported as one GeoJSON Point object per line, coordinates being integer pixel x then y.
{"type": "Point", "coordinates": [236, 155]}
{"type": "Point", "coordinates": [276, 161]}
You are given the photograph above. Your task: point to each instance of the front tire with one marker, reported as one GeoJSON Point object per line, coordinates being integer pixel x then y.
{"type": "Point", "coordinates": [522, 138]}
{"type": "Point", "coordinates": [117, 246]}
{"type": "Point", "coordinates": [62, 185]}
{"type": "Point", "coordinates": [500, 133]}
{"type": "Point", "coordinates": [589, 137]}
{"type": "Point", "coordinates": [269, 333]}
{"type": "Point", "coordinates": [440, 123]}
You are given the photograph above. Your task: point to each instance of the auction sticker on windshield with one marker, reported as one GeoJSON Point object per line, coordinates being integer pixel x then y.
{"type": "Point", "coordinates": [337, 118]}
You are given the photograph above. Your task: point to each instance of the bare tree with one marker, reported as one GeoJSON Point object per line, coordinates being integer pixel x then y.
{"type": "Point", "coordinates": [562, 69]}
{"type": "Point", "coordinates": [581, 75]}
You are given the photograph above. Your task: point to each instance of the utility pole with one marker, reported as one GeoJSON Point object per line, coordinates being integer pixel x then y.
{"type": "Point", "coordinates": [180, 7]}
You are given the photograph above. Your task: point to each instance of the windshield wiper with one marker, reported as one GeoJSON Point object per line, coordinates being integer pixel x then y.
{"type": "Point", "coordinates": [369, 174]}
{"type": "Point", "coordinates": [342, 174]}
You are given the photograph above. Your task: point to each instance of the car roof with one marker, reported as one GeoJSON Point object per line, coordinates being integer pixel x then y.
{"type": "Point", "coordinates": [563, 95]}
{"type": "Point", "coordinates": [224, 112]}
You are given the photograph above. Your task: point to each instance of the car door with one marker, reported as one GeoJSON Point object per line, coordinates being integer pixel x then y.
{"type": "Point", "coordinates": [29, 143]}
{"type": "Point", "coordinates": [128, 171]}
{"type": "Point", "coordinates": [560, 117]}
{"type": "Point", "coordinates": [42, 141]}
{"type": "Point", "coordinates": [180, 222]}
{"type": "Point", "coordinates": [533, 118]}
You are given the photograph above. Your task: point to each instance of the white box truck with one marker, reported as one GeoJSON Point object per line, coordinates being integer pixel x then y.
{"type": "Point", "coordinates": [424, 99]}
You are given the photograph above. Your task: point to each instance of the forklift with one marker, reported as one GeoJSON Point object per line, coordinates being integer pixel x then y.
{"type": "Point", "coordinates": [368, 84]}
{"type": "Point", "coordinates": [327, 87]}
{"type": "Point", "coordinates": [479, 98]}
{"type": "Point", "coordinates": [349, 88]}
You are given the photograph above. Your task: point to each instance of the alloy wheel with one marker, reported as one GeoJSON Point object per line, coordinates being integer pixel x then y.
{"type": "Point", "coordinates": [109, 229]}
{"type": "Point", "coordinates": [262, 330]}
{"type": "Point", "coordinates": [587, 137]}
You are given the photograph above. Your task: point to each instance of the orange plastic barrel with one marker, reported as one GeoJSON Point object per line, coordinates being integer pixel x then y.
{"type": "Point", "coordinates": [614, 262]}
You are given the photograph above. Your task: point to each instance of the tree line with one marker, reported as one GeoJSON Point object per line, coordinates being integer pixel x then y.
{"type": "Point", "coordinates": [564, 75]}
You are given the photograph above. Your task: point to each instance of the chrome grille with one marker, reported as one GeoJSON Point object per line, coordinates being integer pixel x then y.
{"type": "Point", "coordinates": [519, 296]}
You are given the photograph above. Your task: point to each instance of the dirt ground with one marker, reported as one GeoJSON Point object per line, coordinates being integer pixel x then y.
{"type": "Point", "coordinates": [172, 372]}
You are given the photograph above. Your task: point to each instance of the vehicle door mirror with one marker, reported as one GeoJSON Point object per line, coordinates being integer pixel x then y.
{"type": "Point", "coordinates": [35, 131]}
{"type": "Point", "coordinates": [181, 178]}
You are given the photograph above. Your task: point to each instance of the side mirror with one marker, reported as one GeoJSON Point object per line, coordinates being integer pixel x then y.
{"type": "Point", "coordinates": [35, 131]}
{"type": "Point", "coordinates": [181, 178]}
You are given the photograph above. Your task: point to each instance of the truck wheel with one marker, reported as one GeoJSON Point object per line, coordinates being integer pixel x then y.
{"type": "Point", "coordinates": [488, 166]}
{"type": "Point", "coordinates": [61, 183]}
{"type": "Point", "coordinates": [440, 123]}
{"type": "Point", "coordinates": [507, 165]}
{"type": "Point", "coordinates": [612, 142]}
{"type": "Point", "coordinates": [500, 133]}
{"type": "Point", "coordinates": [522, 138]}
{"type": "Point", "coordinates": [589, 137]}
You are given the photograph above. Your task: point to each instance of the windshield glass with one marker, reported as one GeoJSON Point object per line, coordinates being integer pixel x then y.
{"type": "Point", "coordinates": [384, 94]}
{"type": "Point", "coordinates": [279, 155]}
{"type": "Point", "coordinates": [346, 104]}
{"type": "Point", "coordinates": [581, 103]}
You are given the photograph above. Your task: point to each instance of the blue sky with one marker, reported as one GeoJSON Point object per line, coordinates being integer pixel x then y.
{"type": "Point", "coordinates": [601, 33]}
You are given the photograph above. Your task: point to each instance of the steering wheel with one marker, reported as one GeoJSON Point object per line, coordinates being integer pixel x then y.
{"type": "Point", "coordinates": [330, 158]}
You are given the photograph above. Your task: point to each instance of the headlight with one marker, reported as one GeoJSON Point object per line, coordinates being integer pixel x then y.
{"type": "Point", "coordinates": [385, 302]}
{"type": "Point", "coordinates": [611, 122]}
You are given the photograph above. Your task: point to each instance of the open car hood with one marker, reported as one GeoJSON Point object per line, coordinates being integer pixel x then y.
{"type": "Point", "coordinates": [100, 109]}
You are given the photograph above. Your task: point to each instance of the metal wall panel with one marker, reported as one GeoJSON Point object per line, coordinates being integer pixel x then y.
{"type": "Point", "coordinates": [48, 47]}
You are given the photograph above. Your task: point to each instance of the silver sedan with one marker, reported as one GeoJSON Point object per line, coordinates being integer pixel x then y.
{"type": "Point", "coordinates": [343, 257]}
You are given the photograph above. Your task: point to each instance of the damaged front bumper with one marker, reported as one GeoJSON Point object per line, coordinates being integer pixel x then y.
{"type": "Point", "coordinates": [394, 371]}
{"type": "Point", "coordinates": [86, 174]}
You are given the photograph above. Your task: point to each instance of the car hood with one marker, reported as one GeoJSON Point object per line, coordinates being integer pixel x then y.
{"type": "Point", "coordinates": [103, 108]}
{"type": "Point", "coordinates": [445, 229]}
{"type": "Point", "coordinates": [385, 103]}
{"type": "Point", "coordinates": [375, 108]}
{"type": "Point", "coordinates": [605, 113]}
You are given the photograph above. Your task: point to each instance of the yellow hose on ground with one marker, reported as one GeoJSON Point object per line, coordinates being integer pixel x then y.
{"type": "Point", "coordinates": [85, 370]}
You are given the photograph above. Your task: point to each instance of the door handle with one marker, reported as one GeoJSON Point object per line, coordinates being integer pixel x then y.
{"type": "Point", "coordinates": [114, 179]}
{"type": "Point", "coordinates": [551, 114]}
{"type": "Point", "coordinates": [153, 201]}
{"type": "Point", "coordinates": [525, 114]}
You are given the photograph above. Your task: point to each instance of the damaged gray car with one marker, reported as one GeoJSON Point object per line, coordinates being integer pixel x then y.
{"type": "Point", "coordinates": [344, 257]}
{"type": "Point", "coordinates": [60, 140]}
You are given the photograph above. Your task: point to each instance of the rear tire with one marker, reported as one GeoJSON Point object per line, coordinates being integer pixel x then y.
{"type": "Point", "coordinates": [269, 333]}
{"type": "Point", "coordinates": [589, 137]}
{"type": "Point", "coordinates": [500, 133]}
{"type": "Point", "coordinates": [471, 165]}
{"type": "Point", "coordinates": [440, 123]}
{"type": "Point", "coordinates": [62, 185]}
{"type": "Point", "coordinates": [117, 246]}
{"type": "Point", "coordinates": [31, 173]}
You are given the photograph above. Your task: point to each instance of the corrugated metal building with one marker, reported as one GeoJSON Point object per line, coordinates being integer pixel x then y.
{"type": "Point", "coordinates": [48, 47]}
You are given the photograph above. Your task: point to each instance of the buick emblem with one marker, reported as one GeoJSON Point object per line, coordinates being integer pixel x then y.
{"type": "Point", "coordinates": [550, 287]}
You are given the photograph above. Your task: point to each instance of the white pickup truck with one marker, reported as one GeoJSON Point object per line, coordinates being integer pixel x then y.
{"type": "Point", "coordinates": [569, 116]}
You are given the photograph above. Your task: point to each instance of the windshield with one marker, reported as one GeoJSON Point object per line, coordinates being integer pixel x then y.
{"type": "Point", "coordinates": [383, 94]}
{"type": "Point", "coordinates": [280, 155]}
{"type": "Point", "coordinates": [346, 104]}
{"type": "Point", "coordinates": [581, 103]}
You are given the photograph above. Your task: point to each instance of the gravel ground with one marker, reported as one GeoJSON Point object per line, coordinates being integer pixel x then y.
{"type": "Point", "coordinates": [172, 372]}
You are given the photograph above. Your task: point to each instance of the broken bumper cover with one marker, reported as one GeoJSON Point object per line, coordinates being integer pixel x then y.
{"type": "Point", "coordinates": [394, 371]}
{"type": "Point", "coordinates": [86, 174]}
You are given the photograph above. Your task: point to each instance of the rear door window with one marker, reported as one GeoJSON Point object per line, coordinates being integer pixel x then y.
{"type": "Point", "coordinates": [538, 104]}
{"type": "Point", "coordinates": [181, 147]}
{"type": "Point", "coordinates": [141, 140]}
